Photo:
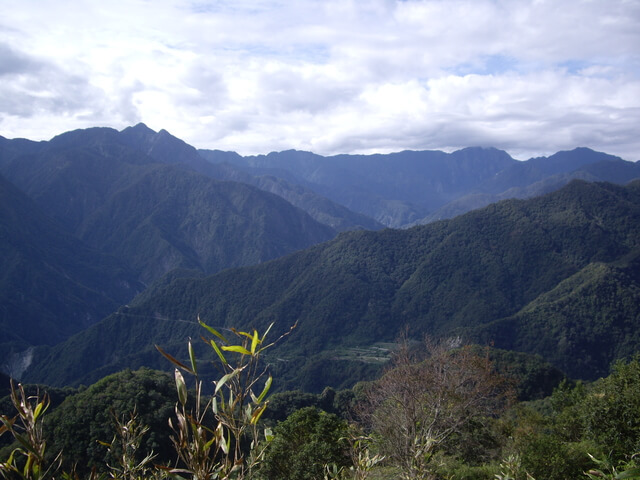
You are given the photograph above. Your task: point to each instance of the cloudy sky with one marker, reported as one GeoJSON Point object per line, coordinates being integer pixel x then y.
{"type": "Point", "coordinates": [528, 76]}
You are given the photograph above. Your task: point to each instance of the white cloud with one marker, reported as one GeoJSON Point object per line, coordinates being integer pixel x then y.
{"type": "Point", "coordinates": [529, 76]}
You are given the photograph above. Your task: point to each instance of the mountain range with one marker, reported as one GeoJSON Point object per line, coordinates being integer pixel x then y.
{"type": "Point", "coordinates": [114, 241]}
{"type": "Point", "coordinates": [554, 276]}
{"type": "Point", "coordinates": [417, 187]}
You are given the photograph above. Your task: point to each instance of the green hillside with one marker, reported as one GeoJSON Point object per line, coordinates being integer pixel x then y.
{"type": "Point", "coordinates": [449, 278]}
{"type": "Point", "coordinates": [52, 285]}
{"type": "Point", "coordinates": [590, 318]}
{"type": "Point", "coordinates": [172, 218]}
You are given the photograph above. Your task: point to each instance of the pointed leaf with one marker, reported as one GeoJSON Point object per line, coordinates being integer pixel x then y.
{"type": "Point", "coordinates": [267, 331]}
{"type": "Point", "coordinates": [258, 413]}
{"type": "Point", "coordinates": [192, 357]}
{"type": "Point", "coordinates": [236, 348]}
{"type": "Point", "coordinates": [215, 347]}
{"type": "Point", "coordinates": [181, 387]}
{"type": "Point", "coordinates": [221, 440]}
{"type": "Point", "coordinates": [226, 378]}
{"type": "Point", "coordinates": [246, 334]}
{"type": "Point", "coordinates": [265, 390]}
{"type": "Point", "coordinates": [212, 330]}
{"type": "Point", "coordinates": [39, 409]}
{"type": "Point", "coordinates": [254, 341]}
{"type": "Point", "coordinates": [173, 360]}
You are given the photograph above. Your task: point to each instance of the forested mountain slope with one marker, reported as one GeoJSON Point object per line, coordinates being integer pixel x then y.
{"type": "Point", "coordinates": [538, 176]}
{"type": "Point", "coordinates": [394, 189]}
{"type": "Point", "coordinates": [458, 277]}
{"type": "Point", "coordinates": [52, 284]}
{"type": "Point", "coordinates": [320, 208]}
{"type": "Point", "coordinates": [417, 187]}
{"type": "Point", "coordinates": [135, 194]}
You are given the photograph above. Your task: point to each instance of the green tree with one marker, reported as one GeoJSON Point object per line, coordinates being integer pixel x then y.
{"type": "Point", "coordinates": [611, 412]}
{"type": "Point", "coordinates": [304, 443]}
{"type": "Point", "coordinates": [593, 428]}
{"type": "Point", "coordinates": [87, 418]}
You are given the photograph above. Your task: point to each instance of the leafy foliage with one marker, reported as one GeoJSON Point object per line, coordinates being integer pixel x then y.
{"type": "Point", "coordinates": [219, 450]}
{"type": "Point", "coordinates": [304, 443]}
{"type": "Point", "coordinates": [85, 419]}
{"type": "Point", "coordinates": [587, 427]}
{"type": "Point", "coordinates": [27, 460]}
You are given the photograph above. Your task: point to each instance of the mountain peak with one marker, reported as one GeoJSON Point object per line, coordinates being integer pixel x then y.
{"type": "Point", "coordinates": [139, 129]}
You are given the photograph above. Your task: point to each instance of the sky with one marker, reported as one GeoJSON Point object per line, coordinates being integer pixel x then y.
{"type": "Point", "coordinates": [531, 77]}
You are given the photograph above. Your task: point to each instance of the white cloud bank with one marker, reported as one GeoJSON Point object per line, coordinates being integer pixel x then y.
{"type": "Point", "coordinates": [528, 76]}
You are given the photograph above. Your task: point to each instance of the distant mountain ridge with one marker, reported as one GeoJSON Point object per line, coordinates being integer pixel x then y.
{"type": "Point", "coordinates": [541, 175]}
{"type": "Point", "coordinates": [416, 187]}
{"type": "Point", "coordinates": [489, 275]}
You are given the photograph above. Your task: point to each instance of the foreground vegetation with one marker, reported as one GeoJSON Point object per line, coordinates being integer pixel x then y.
{"type": "Point", "coordinates": [439, 411]}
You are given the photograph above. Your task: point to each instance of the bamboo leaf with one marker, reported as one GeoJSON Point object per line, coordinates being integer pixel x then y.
{"type": "Point", "coordinates": [221, 440]}
{"type": "Point", "coordinates": [40, 408]}
{"type": "Point", "coordinates": [236, 348]}
{"type": "Point", "coordinates": [225, 379]}
{"type": "Point", "coordinates": [267, 331]}
{"type": "Point", "coordinates": [215, 347]}
{"type": "Point", "coordinates": [212, 330]}
{"type": "Point", "coordinates": [254, 342]}
{"type": "Point", "coordinates": [182, 387]}
{"type": "Point", "coordinates": [265, 390]}
{"type": "Point", "coordinates": [257, 414]}
{"type": "Point", "coordinates": [246, 334]}
{"type": "Point", "coordinates": [174, 360]}
{"type": "Point", "coordinates": [207, 445]}
{"type": "Point", "coordinates": [192, 357]}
